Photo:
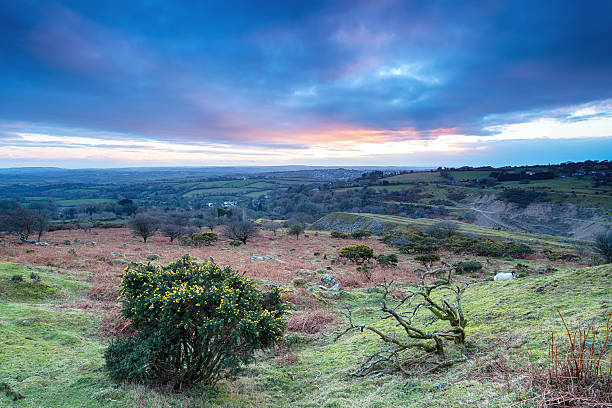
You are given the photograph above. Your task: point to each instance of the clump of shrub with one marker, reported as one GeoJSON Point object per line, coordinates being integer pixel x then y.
{"type": "Point", "coordinates": [387, 260]}
{"type": "Point", "coordinates": [16, 278]}
{"type": "Point", "coordinates": [194, 323]}
{"type": "Point", "coordinates": [299, 282]}
{"type": "Point", "coordinates": [578, 374]}
{"type": "Point", "coordinates": [487, 247]}
{"type": "Point", "coordinates": [559, 256]}
{"type": "Point", "coordinates": [418, 242]}
{"type": "Point", "coordinates": [522, 197]}
{"type": "Point", "coordinates": [442, 229]}
{"type": "Point", "coordinates": [29, 251]}
{"type": "Point", "coordinates": [339, 234]}
{"type": "Point", "coordinates": [235, 243]}
{"type": "Point", "coordinates": [361, 234]}
{"type": "Point", "coordinates": [35, 277]}
{"type": "Point", "coordinates": [467, 266]}
{"type": "Point", "coordinates": [198, 239]}
{"type": "Point", "coordinates": [357, 253]}
{"type": "Point", "coordinates": [427, 259]}
{"type": "Point", "coordinates": [152, 257]}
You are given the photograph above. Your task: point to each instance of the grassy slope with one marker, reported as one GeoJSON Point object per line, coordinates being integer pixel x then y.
{"type": "Point", "coordinates": [52, 356]}
{"type": "Point", "coordinates": [390, 222]}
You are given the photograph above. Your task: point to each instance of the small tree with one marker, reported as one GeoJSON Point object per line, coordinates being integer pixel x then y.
{"type": "Point", "coordinates": [84, 222]}
{"type": "Point", "coordinates": [295, 229]}
{"type": "Point", "coordinates": [603, 245]}
{"type": "Point", "coordinates": [194, 323]}
{"type": "Point", "coordinates": [210, 219]}
{"type": "Point", "coordinates": [144, 226]}
{"type": "Point", "coordinates": [387, 260]}
{"type": "Point", "coordinates": [41, 222]}
{"type": "Point", "coordinates": [434, 295]}
{"type": "Point", "coordinates": [173, 231]}
{"type": "Point", "coordinates": [22, 222]}
{"type": "Point", "coordinates": [240, 230]}
{"type": "Point", "coordinates": [427, 260]}
{"type": "Point", "coordinates": [270, 226]}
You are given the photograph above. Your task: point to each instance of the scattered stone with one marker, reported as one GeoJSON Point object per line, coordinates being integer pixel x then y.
{"type": "Point", "coordinates": [328, 280]}
{"type": "Point", "coordinates": [42, 244]}
{"type": "Point", "coordinates": [440, 386]}
{"type": "Point", "coordinates": [265, 258]}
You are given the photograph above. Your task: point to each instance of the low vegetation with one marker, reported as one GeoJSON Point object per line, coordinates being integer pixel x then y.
{"type": "Point", "coordinates": [423, 325]}
{"type": "Point", "coordinates": [193, 324]}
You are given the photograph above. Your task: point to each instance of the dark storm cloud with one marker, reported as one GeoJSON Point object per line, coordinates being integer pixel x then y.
{"type": "Point", "coordinates": [259, 71]}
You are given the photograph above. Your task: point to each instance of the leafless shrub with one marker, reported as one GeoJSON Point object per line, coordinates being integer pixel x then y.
{"type": "Point", "coordinates": [577, 375]}
{"type": "Point", "coordinates": [241, 230]}
{"type": "Point", "coordinates": [144, 226]}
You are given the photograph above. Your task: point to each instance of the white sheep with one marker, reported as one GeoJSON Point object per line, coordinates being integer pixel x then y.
{"type": "Point", "coordinates": [503, 276]}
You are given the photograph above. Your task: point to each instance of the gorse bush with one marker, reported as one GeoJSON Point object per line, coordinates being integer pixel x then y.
{"type": "Point", "coordinates": [193, 322]}
{"type": "Point", "coordinates": [562, 256]}
{"type": "Point", "coordinates": [338, 234]}
{"type": "Point", "coordinates": [387, 260]}
{"type": "Point", "coordinates": [361, 233]}
{"type": "Point", "coordinates": [427, 259]}
{"type": "Point", "coordinates": [467, 266]}
{"type": "Point", "coordinates": [357, 253]}
{"type": "Point", "coordinates": [204, 238]}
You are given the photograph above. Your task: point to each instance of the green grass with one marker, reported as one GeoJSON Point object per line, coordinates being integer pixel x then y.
{"type": "Point", "coordinates": [469, 175]}
{"type": "Point", "coordinates": [426, 176]}
{"type": "Point", "coordinates": [73, 203]}
{"type": "Point", "coordinates": [49, 350]}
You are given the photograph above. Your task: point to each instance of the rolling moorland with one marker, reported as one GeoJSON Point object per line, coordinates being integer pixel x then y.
{"type": "Point", "coordinates": [60, 305]}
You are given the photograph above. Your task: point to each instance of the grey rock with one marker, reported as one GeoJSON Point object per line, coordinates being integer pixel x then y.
{"type": "Point", "coordinates": [328, 279]}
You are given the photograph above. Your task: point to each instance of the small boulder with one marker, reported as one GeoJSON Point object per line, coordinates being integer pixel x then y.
{"type": "Point", "coordinates": [328, 280]}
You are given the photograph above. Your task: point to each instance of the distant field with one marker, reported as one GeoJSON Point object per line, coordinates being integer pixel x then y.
{"type": "Point", "coordinates": [247, 188]}
{"type": "Point", "coordinates": [427, 176]}
{"type": "Point", "coordinates": [469, 175]}
{"type": "Point", "coordinates": [72, 203]}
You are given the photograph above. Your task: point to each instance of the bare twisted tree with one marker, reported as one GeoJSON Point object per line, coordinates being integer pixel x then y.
{"type": "Point", "coordinates": [404, 309]}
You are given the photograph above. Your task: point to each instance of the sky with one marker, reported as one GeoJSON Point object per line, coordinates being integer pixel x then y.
{"type": "Point", "coordinates": [378, 83]}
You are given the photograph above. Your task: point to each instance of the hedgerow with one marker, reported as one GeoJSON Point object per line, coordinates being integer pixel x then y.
{"type": "Point", "coordinates": [193, 322]}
